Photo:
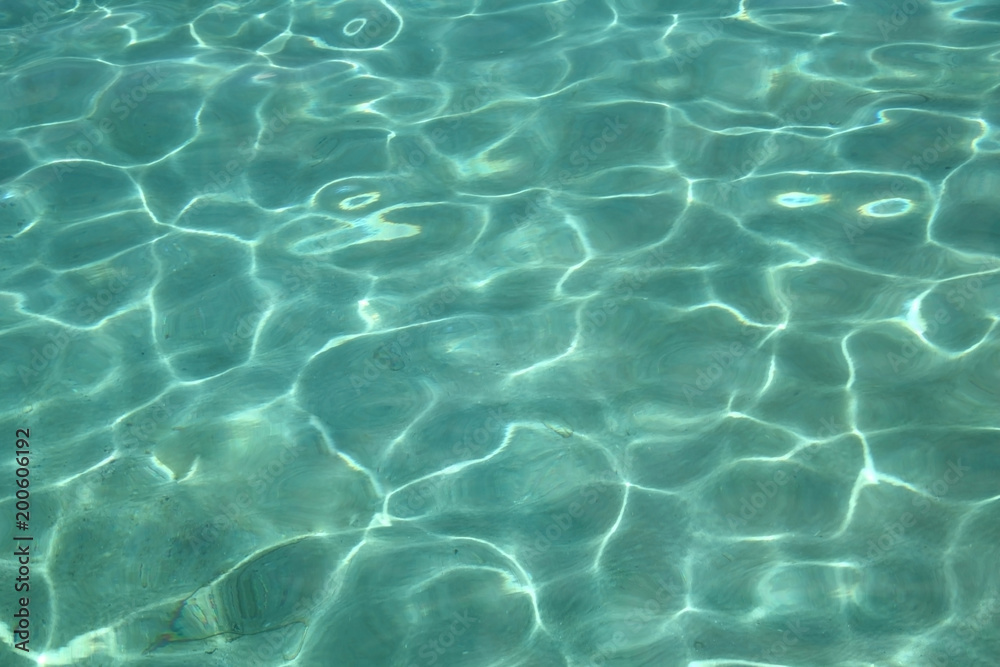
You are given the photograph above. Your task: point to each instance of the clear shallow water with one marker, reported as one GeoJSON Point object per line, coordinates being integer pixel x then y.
{"type": "Point", "coordinates": [504, 333]}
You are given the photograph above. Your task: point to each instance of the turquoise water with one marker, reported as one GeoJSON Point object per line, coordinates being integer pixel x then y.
{"type": "Point", "coordinates": [503, 333]}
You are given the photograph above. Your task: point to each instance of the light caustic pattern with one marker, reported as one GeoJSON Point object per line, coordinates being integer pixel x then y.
{"type": "Point", "coordinates": [584, 333]}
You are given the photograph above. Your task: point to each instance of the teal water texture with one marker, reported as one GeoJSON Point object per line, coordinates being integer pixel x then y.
{"type": "Point", "coordinates": [503, 333]}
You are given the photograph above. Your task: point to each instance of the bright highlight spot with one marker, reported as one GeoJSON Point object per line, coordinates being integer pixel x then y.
{"type": "Point", "coordinates": [886, 208]}
{"type": "Point", "coordinates": [359, 201]}
{"type": "Point", "coordinates": [801, 199]}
